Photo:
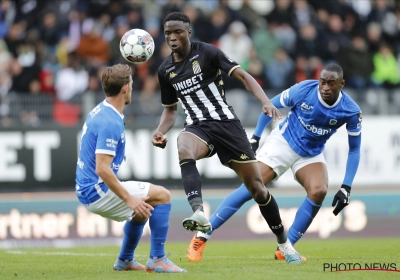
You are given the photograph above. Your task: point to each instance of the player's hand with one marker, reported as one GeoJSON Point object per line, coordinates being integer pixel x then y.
{"type": "Point", "coordinates": [342, 198]}
{"type": "Point", "coordinates": [271, 111]}
{"type": "Point", "coordinates": [255, 143]}
{"type": "Point", "coordinates": [159, 140]}
{"type": "Point", "coordinates": [140, 206]}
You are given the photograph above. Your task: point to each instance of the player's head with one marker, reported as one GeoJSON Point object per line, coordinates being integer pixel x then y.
{"type": "Point", "coordinates": [330, 83]}
{"type": "Point", "coordinates": [177, 31]}
{"type": "Point", "coordinates": [117, 79]}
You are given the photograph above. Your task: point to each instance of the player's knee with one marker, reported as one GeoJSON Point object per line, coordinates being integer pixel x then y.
{"type": "Point", "coordinates": [260, 195]}
{"type": "Point", "coordinates": [318, 193]}
{"type": "Point", "coordinates": [165, 196]}
{"type": "Point", "coordinates": [159, 195]}
{"type": "Point", "coordinates": [185, 152]}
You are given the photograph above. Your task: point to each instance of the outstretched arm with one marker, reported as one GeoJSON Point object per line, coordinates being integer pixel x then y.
{"type": "Point", "coordinates": [254, 88]}
{"type": "Point", "coordinates": [342, 197]}
{"type": "Point", "coordinates": [167, 121]}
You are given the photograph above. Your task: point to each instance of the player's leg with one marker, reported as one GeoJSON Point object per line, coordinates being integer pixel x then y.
{"type": "Point", "coordinates": [225, 210]}
{"type": "Point", "coordinates": [314, 178]}
{"type": "Point", "coordinates": [191, 148]}
{"type": "Point", "coordinates": [250, 175]}
{"type": "Point", "coordinates": [160, 199]}
{"type": "Point", "coordinates": [228, 207]}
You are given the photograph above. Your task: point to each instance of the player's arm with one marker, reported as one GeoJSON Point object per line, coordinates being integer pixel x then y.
{"type": "Point", "coordinates": [262, 123]}
{"type": "Point", "coordinates": [255, 89]}
{"type": "Point", "coordinates": [168, 117]}
{"type": "Point", "coordinates": [103, 169]}
{"type": "Point", "coordinates": [342, 197]}
{"type": "Point", "coordinates": [167, 121]}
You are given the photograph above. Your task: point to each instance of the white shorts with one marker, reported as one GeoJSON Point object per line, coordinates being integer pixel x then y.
{"type": "Point", "coordinates": [112, 207]}
{"type": "Point", "coordinates": [277, 154]}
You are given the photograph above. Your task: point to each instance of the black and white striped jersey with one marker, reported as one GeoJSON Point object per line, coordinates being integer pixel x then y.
{"type": "Point", "coordinates": [196, 82]}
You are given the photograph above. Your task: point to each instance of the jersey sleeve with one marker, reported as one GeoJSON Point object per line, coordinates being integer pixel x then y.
{"type": "Point", "coordinates": [221, 60]}
{"type": "Point", "coordinates": [288, 97]}
{"type": "Point", "coordinates": [168, 93]}
{"type": "Point", "coordinates": [107, 139]}
{"type": "Point", "coordinates": [354, 125]}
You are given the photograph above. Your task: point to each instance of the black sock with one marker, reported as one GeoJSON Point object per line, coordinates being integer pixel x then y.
{"type": "Point", "coordinates": [191, 182]}
{"type": "Point", "coordinates": [270, 212]}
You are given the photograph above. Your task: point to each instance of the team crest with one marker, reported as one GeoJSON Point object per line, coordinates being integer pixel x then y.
{"type": "Point", "coordinates": [172, 75]}
{"type": "Point", "coordinates": [332, 122]}
{"type": "Point", "coordinates": [196, 67]}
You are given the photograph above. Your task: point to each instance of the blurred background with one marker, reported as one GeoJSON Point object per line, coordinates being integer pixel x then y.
{"type": "Point", "coordinates": [51, 57]}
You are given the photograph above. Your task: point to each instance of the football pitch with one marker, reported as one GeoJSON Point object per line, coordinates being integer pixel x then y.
{"type": "Point", "coordinates": [377, 258]}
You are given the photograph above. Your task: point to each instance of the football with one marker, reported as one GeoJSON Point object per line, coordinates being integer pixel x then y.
{"type": "Point", "coordinates": [136, 46]}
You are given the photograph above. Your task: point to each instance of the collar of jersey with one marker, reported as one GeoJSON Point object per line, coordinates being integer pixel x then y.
{"type": "Point", "coordinates": [106, 103]}
{"type": "Point", "coordinates": [326, 104]}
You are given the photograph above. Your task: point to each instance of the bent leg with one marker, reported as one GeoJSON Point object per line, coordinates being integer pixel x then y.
{"type": "Point", "coordinates": [314, 179]}
{"type": "Point", "coordinates": [250, 175]}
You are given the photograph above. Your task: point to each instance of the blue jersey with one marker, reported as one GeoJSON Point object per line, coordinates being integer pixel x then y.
{"type": "Point", "coordinates": [102, 133]}
{"type": "Point", "coordinates": [311, 121]}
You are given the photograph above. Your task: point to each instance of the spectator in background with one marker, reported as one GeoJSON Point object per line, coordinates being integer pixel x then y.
{"type": "Point", "coordinates": [357, 65]}
{"type": "Point", "coordinates": [265, 43]}
{"type": "Point", "coordinates": [121, 27]}
{"type": "Point", "coordinates": [334, 40]}
{"type": "Point", "coordinates": [303, 13]}
{"type": "Point", "coordinates": [219, 22]}
{"type": "Point", "coordinates": [236, 44]}
{"type": "Point", "coordinates": [386, 72]}
{"type": "Point", "coordinates": [384, 14]}
{"type": "Point", "coordinates": [307, 68]}
{"type": "Point", "coordinates": [71, 82]}
{"type": "Point", "coordinates": [280, 70]}
{"type": "Point", "coordinates": [374, 36]}
{"type": "Point", "coordinates": [307, 42]}
{"type": "Point", "coordinates": [92, 48]}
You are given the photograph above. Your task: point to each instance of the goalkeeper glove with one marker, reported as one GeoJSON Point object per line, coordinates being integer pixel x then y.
{"type": "Point", "coordinates": [254, 142]}
{"type": "Point", "coordinates": [342, 198]}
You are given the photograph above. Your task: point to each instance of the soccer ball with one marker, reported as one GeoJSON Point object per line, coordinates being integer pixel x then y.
{"type": "Point", "coordinates": [136, 46]}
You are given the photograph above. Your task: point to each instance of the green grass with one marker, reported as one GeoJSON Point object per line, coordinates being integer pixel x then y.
{"type": "Point", "coordinates": [244, 260]}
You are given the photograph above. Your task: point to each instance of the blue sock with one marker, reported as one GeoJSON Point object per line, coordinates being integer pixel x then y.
{"type": "Point", "coordinates": [133, 232]}
{"type": "Point", "coordinates": [304, 216]}
{"type": "Point", "coordinates": [229, 206]}
{"type": "Point", "coordinates": [159, 224]}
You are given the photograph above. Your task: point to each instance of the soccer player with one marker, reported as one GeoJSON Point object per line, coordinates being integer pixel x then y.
{"type": "Point", "coordinates": [318, 109]}
{"type": "Point", "coordinates": [191, 75]}
{"type": "Point", "coordinates": [101, 153]}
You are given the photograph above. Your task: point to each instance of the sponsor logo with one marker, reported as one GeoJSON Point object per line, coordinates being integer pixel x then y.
{"type": "Point", "coordinates": [115, 166]}
{"type": "Point", "coordinates": [111, 143]}
{"type": "Point", "coordinates": [285, 94]}
{"type": "Point", "coordinates": [359, 115]}
{"type": "Point", "coordinates": [123, 137]}
{"type": "Point", "coordinates": [172, 75]}
{"type": "Point", "coordinates": [314, 129]}
{"type": "Point", "coordinates": [95, 111]}
{"type": "Point", "coordinates": [332, 122]}
{"type": "Point", "coordinates": [189, 85]}
{"type": "Point", "coordinates": [196, 67]}
{"type": "Point", "coordinates": [80, 163]}
{"type": "Point", "coordinates": [244, 156]}
{"type": "Point", "coordinates": [305, 107]}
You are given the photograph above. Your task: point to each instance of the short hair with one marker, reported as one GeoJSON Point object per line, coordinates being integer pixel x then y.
{"type": "Point", "coordinates": [113, 78]}
{"type": "Point", "coordinates": [178, 16]}
{"type": "Point", "coordinates": [334, 68]}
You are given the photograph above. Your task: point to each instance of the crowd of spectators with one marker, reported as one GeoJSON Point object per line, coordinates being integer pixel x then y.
{"type": "Point", "coordinates": [58, 48]}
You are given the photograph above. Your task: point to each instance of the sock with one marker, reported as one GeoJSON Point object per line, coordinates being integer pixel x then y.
{"type": "Point", "coordinates": [227, 208]}
{"type": "Point", "coordinates": [132, 234]}
{"type": "Point", "coordinates": [191, 182]}
{"type": "Point", "coordinates": [159, 224]}
{"type": "Point", "coordinates": [304, 216]}
{"type": "Point", "coordinates": [270, 212]}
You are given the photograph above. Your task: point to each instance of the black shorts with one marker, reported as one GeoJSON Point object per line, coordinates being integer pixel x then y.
{"type": "Point", "coordinates": [227, 139]}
